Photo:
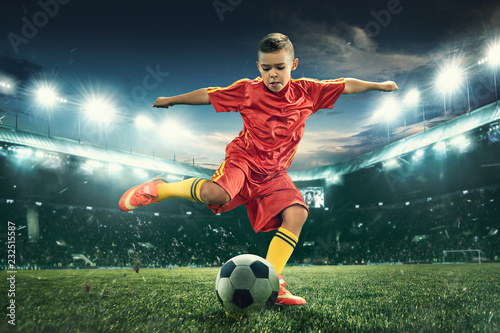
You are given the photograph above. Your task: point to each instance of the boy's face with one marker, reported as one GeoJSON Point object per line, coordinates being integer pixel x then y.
{"type": "Point", "coordinates": [275, 69]}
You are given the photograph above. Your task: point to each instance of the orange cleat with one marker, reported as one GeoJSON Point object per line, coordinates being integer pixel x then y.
{"type": "Point", "coordinates": [141, 195]}
{"type": "Point", "coordinates": [285, 297]}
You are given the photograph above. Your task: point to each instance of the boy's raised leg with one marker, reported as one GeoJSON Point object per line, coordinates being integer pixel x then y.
{"type": "Point", "coordinates": [158, 189]}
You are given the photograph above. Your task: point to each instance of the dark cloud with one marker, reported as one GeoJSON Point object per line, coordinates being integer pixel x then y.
{"type": "Point", "coordinates": [364, 138]}
{"type": "Point", "coordinates": [19, 69]}
{"type": "Point", "coordinates": [329, 112]}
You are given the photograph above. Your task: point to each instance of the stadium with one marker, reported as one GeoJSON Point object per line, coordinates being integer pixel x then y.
{"type": "Point", "coordinates": [60, 190]}
{"type": "Point", "coordinates": [400, 237]}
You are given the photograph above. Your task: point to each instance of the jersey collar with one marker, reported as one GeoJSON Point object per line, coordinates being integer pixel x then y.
{"type": "Point", "coordinates": [282, 92]}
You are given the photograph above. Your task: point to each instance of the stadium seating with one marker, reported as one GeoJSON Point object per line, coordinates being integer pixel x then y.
{"type": "Point", "coordinates": [416, 233]}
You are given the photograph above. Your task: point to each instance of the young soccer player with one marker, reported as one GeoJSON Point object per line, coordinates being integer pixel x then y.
{"type": "Point", "coordinates": [274, 109]}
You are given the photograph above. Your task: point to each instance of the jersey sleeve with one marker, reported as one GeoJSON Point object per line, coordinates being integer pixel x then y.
{"type": "Point", "coordinates": [324, 93]}
{"type": "Point", "coordinates": [230, 98]}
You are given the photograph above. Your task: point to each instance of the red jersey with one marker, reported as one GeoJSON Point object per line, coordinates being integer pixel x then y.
{"type": "Point", "coordinates": [273, 122]}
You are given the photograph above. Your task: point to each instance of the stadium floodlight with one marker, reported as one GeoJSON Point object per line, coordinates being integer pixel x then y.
{"type": "Point", "coordinates": [5, 85]}
{"type": "Point", "coordinates": [494, 54]}
{"type": "Point", "coordinates": [8, 86]}
{"type": "Point", "coordinates": [388, 110]}
{"type": "Point", "coordinates": [494, 60]}
{"type": "Point", "coordinates": [46, 96]}
{"type": "Point", "coordinates": [412, 98]}
{"type": "Point", "coordinates": [449, 79]}
{"type": "Point", "coordinates": [144, 122]}
{"type": "Point", "coordinates": [99, 110]}
{"type": "Point", "coordinates": [171, 128]}
{"type": "Point", "coordinates": [173, 131]}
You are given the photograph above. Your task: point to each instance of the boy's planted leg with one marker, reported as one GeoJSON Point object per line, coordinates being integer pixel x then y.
{"type": "Point", "coordinates": [282, 246]}
{"type": "Point", "coordinates": [158, 189]}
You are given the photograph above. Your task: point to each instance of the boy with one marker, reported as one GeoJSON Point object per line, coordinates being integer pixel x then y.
{"type": "Point", "coordinates": [274, 109]}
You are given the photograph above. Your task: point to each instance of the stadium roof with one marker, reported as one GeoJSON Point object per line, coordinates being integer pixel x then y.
{"type": "Point", "coordinates": [467, 122]}
{"type": "Point", "coordinates": [451, 128]}
{"type": "Point", "coordinates": [97, 153]}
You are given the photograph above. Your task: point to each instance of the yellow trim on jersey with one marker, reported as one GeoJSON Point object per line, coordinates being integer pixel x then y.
{"type": "Point", "coordinates": [219, 173]}
{"type": "Point", "coordinates": [291, 156]}
{"type": "Point", "coordinates": [334, 81]}
{"type": "Point", "coordinates": [213, 89]}
{"type": "Point", "coordinates": [246, 139]}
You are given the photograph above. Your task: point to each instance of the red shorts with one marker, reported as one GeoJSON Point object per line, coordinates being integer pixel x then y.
{"type": "Point", "coordinates": [265, 197]}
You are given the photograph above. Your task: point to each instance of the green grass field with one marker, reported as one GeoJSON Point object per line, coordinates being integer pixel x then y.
{"type": "Point", "coordinates": [460, 298]}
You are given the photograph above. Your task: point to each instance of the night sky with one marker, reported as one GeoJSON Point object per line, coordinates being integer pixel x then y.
{"type": "Point", "coordinates": [131, 52]}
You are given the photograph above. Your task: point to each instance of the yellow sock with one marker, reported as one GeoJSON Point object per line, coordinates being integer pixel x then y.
{"type": "Point", "coordinates": [186, 189]}
{"type": "Point", "coordinates": [281, 248]}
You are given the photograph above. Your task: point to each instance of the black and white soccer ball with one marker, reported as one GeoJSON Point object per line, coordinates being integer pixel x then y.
{"type": "Point", "coordinates": [247, 282]}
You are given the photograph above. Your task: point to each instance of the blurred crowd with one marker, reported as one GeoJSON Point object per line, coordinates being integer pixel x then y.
{"type": "Point", "coordinates": [419, 231]}
{"type": "Point", "coordinates": [59, 236]}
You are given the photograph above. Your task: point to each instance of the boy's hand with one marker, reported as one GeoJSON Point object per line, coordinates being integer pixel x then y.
{"type": "Point", "coordinates": [163, 102]}
{"type": "Point", "coordinates": [388, 86]}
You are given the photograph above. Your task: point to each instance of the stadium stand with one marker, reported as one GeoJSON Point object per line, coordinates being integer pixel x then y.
{"type": "Point", "coordinates": [406, 234]}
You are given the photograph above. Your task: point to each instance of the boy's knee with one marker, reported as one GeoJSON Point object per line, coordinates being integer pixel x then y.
{"type": "Point", "coordinates": [294, 218]}
{"type": "Point", "coordinates": [214, 194]}
{"type": "Point", "coordinates": [303, 214]}
{"type": "Point", "coordinates": [296, 212]}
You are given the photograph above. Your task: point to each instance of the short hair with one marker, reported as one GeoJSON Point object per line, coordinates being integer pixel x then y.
{"type": "Point", "coordinates": [274, 42]}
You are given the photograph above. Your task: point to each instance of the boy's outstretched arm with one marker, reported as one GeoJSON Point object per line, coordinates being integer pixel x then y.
{"type": "Point", "coordinates": [354, 86]}
{"type": "Point", "coordinates": [197, 97]}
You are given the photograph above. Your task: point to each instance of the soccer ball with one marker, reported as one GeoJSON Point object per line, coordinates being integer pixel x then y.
{"type": "Point", "coordinates": [247, 282]}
